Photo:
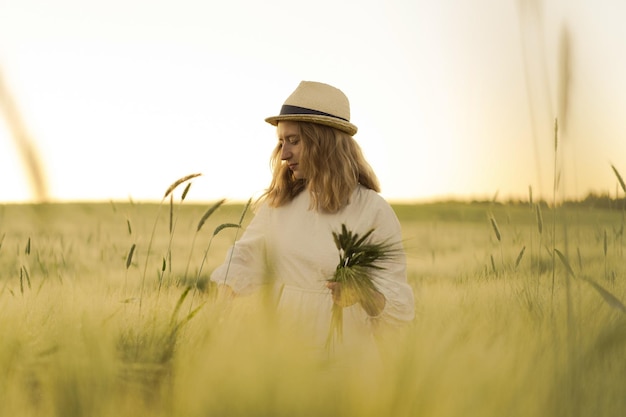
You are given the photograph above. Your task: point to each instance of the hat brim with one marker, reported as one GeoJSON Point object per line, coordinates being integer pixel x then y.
{"type": "Point", "coordinates": [342, 125]}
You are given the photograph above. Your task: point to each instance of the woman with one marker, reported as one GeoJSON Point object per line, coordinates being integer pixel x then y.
{"type": "Point", "coordinates": [320, 182]}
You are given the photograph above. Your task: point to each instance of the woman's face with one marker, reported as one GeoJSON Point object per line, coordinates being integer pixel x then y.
{"type": "Point", "coordinates": [290, 143]}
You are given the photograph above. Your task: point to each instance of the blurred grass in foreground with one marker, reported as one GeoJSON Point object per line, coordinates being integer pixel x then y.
{"type": "Point", "coordinates": [491, 336]}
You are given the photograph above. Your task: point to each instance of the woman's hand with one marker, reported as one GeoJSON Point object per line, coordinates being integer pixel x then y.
{"type": "Point", "coordinates": [373, 302]}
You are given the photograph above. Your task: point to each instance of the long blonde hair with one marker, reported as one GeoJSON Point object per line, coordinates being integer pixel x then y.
{"type": "Point", "coordinates": [333, 163]}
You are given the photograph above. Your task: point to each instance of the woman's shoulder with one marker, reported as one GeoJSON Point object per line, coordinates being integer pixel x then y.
{"type": "Point", "coordinates": [370, 201]}
{"type": "Point", "coordinates": [375, 210]}
{"type": "Point", "coordinates": [370, 197]}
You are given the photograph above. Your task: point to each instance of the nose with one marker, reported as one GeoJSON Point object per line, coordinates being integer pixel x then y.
{"type": "Point", "coordinates": [285, 152]}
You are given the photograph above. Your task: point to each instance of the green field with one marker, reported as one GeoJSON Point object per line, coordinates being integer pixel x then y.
{"type": "Point", "coordinates": [519, 313]}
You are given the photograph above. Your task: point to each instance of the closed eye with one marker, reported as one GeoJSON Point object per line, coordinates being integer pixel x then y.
{"type": "Point", "coordinates": [292, 140]}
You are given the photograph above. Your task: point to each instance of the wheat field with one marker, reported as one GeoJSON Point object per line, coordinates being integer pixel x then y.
{"type": "Point", "coordinates": [105, 310]}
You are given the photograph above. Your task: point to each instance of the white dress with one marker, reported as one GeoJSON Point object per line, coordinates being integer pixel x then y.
{"type": "Point", "coordinates": [291, 249]}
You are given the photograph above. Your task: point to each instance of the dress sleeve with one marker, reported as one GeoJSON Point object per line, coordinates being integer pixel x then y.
{"type": "Point", "coordinates": [244, 268]}
{"type": "Point", "coordinates": [391, 279]}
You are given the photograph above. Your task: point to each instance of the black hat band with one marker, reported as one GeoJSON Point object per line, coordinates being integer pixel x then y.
{"type": "Point", "coordinates": [287, 109]}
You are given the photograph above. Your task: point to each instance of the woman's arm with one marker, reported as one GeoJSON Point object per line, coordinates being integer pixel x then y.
{"type": "Point", "coordinates": [244, 268]}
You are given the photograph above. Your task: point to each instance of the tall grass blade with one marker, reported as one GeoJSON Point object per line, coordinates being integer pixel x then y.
{"type": "Point", "coordinates": [225, 226]}
{"type": "Point", "coordinates": [565, 262]}
{"type": "Point", "coordinates": [171, 217]}
{"type": "Point", "coordinates": [187, 318]}
{"type": "Point", "coordinates": [129, 258]}
{"type": "Point", "coordinates": [565, 75]}
{"type": "Point", "coordinates": [216, 231]}
{"type": "Point", "coordinates": [619, 178]}
{"type": "Point", "coordinates": [185, 191]}
{"type": "Point", "coordinates": [27, 275]}
{"type": "Point", "coordinates": [24, 142]}
{"type": "Point", "coordinates": [519, 257]}
{"type": "Point", "coordinates": [539, 219]}
{"type": "Point", "coordinates": [178, 182]}
{"type": "Point", "coordinates": [208, 213]}
{"type": "Point", "coordinates": [179, 303]}
{"type": "Point", "coordinates": [556, 135]}
{"type": "Point", "coordinates": [175, 327]}
{"type": "Point", "coordinates": [494, 225]}
{"type": "Point", "coordinates": [610, 299]}
{"type": "Point", "coordinates": [238, 226]}
{"type": "Point", "coordinates": [203, 219]}
{"type": "Point", "coordinates": [245, 210]}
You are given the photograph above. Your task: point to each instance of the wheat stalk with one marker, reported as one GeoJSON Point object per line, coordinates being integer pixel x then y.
{"type": "Point", "coordinates": [169, 190]}
{"type": "Point", "coordinates": [619, 178]}
{"type": "Point", "coordinates": [179, 181]}
{"type": "Point", "coordinates": [608, 297]}
{"type": "Point", "coordinates": [357, 257]}
{"type": "Point", "coordinates": [203, 219]}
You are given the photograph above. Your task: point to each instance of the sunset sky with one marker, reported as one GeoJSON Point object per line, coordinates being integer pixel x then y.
{"type": "Point", "coordinates": [453, 99]}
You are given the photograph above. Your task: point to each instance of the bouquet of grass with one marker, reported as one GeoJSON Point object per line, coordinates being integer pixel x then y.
{"type": "Point", "coordinates": [357, 258]}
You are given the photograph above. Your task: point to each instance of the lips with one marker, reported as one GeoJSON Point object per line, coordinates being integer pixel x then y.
{"type": "Point", "coordinates": [292, 166]}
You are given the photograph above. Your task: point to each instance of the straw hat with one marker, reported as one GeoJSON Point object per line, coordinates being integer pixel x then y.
{"type": "Point", "coordinates": [317, 103]}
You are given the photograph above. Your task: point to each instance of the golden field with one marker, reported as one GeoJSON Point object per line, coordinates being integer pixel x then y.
{"type": "Point", "coordinates": [519, 313]}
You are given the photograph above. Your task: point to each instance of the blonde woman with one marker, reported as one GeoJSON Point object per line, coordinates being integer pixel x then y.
{"type": "Point", "coordinates": [320, 182]}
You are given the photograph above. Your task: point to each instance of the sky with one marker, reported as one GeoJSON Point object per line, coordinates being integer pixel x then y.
{"type": "Point", "coordinates": [453, 99]}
